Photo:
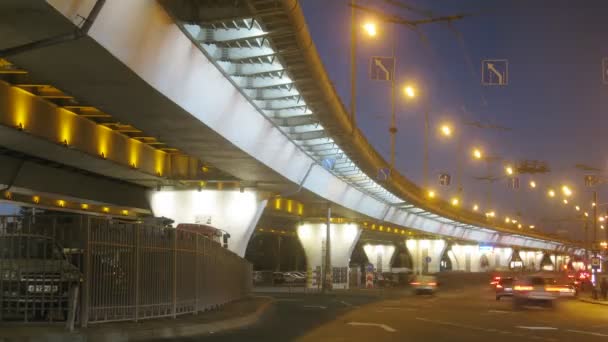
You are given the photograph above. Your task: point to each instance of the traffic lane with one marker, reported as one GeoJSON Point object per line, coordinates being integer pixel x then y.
{"type": "Point", "coordinates": [469, 316]}
{"type": "Point", "coordinates": [293, 315]}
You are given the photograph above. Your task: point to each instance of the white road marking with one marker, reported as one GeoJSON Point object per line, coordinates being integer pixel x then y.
{"type": "Point", "coordinates": [288, 300]}
{"type": "Point", "coordinates": [499, 311]}
{"type": "Point", "coordinates": [587, 333]}
{"type": "Point", "coordinates": [315, 307]}
{"type": "Point", "coordinates": [382, 326]}
{"type": "Point", "coordinates": [488, 330]}
{"type": "Point", "coordinates": [346, 303]}
{"type": "Point", "coordinates": [535, 328]}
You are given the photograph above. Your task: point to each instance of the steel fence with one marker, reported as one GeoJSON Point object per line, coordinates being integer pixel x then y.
{"type": "Point", "coordinates": [128, 271]}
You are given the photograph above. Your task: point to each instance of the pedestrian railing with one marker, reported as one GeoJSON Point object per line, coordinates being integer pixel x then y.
{"type": "Point", "coordinates": [125, 271]}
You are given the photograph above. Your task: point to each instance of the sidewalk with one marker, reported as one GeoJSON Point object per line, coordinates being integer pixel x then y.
{"type": "Point", "coordinates": [235, 315]}
{"type": "Point", "coordinates": [589, 299]}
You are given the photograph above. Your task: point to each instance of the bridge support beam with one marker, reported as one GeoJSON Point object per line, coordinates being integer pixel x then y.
{"type": "Point", "coordinates": [531, 259]}
{"type": "Point", "coordinates": [421, 250]}
{"type": "Point", "coordinates": [380, 256]}
{"type": "Point", "coordinates": [343, 238]}
{"type": "Point", "coordinates": [235, 212]}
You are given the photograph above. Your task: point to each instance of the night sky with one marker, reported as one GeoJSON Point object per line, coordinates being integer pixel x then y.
{"type": "Point", "coordinates": [555, 100]}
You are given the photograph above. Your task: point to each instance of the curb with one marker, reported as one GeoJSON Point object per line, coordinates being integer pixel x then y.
{"type": "Point", "coordinates": [154, 333]}
{"type": "Point", "coordinates": [590, 301]}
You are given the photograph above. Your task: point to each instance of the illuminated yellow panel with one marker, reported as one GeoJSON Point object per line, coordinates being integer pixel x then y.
{"type": "Point", "coordinates": [125, 212]}
{"type": "Point", "coordinates": [289, 206]}
{"type": "Point", "coordinates": [277, 203]}
{"type": "Point", "coordinates": [21, 101]}
{"type": "Point", "coordinates": [84, 206]}
{"type": "Point", "coordinates": [36, 199]}
{"type": "Point", "coordinates": [300, 209]}
{"type": "Point", "coordinates": [61, 203]}
{"type": "Point", "coordinates": [106, 209]}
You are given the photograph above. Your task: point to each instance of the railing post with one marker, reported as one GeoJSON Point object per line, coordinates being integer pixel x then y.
{"type": "Point", "coordinates": [174, 273]}
{"type": "Point", "coordinates": [86, 291]}
{"type": "Point", "coordinates": [137, 248]}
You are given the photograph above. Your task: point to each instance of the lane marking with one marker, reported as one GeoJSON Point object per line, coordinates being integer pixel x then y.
{"type": "Point", "coordinates": [535, 328]}
{"type": "Point", "coordinates": [499, 311]}
{"type": "Point", "coordinates": [587, 333]}
{"type": "Point", "coordinates": [487, 330]}
{"type": "Point", "coordinates": [365, 324]}
{"type": "Point", "coordinates": [288, 300]}
{"type": "Point", "coordinates": [315, 307]}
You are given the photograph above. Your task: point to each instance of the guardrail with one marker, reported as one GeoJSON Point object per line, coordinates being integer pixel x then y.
{"type": "Point", "coordinates": [126, 271]}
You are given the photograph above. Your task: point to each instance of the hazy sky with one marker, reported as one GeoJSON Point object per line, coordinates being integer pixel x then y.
{"type": "Point", "coordinates": [555, 102]}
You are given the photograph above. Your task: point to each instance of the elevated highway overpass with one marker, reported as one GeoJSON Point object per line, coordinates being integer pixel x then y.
{"type": "Point", "coordinates": [171, 97]}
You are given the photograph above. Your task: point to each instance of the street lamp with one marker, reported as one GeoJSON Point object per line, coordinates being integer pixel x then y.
{"type": "Point", "coordinates": [532, 184]}
{"type": "Point", "coordinates": [509, 170]}
{"type": "Point", "coordinates": [551, 193]}
{"type": "Point", "coordinates": [577, 208]}
{"type": "Point", "coordinates": [409, 91]}
{"type": "Point", "coordinates": [565, 201]}
{"type": "Point", "coordinates": [370, 29]}
{"type": "Point", "coordinates": [566, 191]}
{"type": "Point", "coordinates": [475, 207]}
{"type": "Point", "coordinates": [446, 130]}
{"type": "Point", "coordinates": [431, 194]}
{"type": "Point", "coordinates": [477, 154]}
{"type": "Point", "coordinates": [455, 201]}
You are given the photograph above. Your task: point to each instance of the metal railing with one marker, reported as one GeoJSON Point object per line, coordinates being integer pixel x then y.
{"type": "Point", "coordinates": [127, 271]}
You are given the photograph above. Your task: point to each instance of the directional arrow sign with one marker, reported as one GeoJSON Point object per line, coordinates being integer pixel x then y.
{"type": "Point", "coordinates": [494, 72]}
{"type": "Point", "coordinates": [381, 326]}
{"type": "Point", "coordinates": [381, 68]}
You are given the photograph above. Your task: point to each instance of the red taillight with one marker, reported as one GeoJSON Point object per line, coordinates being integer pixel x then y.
{"type": "Point", "coordinates": [432, 284]}
{"type": "Point", "coordinates": [499, 286]}
{"type": "Point", "coordinates": [415, 283]}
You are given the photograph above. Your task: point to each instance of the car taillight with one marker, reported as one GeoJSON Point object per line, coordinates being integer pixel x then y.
{"type": "Point", "coordinates": [432, 284]}
{"type": "Point", "coordinates": [552, 289]}
{"type": "Point", "coordinates": [415, 283]}
{"type": "Point", "coordinates": [523, 288]}
{"type": "Point", "coordinates": [499, 286]}
{"type": "Point", "coordinates": [493, 282]}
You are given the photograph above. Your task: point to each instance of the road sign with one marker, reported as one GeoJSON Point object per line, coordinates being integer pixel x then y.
{"type": "Point", "coordinates": [369, 268]}
{"type": "Point", "coordinates": [328, 163]}
{"type": "Point", "coordinates": [384, 173]}
{"type": "Point", "coordinates": [596, 262]}
{"type": "Point", "coordinates": [381, 68]}
{"type": "Point", "coordinates": [591, 180]}
{"type": "Point", "coordinates": [427, 259]}
{"type": "Point", "coordinates": [514, 183]}
{"type": "Point", "coordinates": [605, 70]}
{"type": "Point", "coordinates": [445, 179]}
{"type": "Point", "coordinates": [495, 72]}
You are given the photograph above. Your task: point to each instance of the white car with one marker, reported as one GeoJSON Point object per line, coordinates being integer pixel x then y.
{"type": "Point", "coordinates": [534, 290]}
{"type": "Point", "coordinates": [424, 284]}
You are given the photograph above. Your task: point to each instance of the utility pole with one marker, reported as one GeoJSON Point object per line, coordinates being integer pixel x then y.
{"type": "Point", "coordinates": [425, 163]}
{"type": "Point", "coordinates": [353, 69]}
{"type": "Point", "coordinates": [393, 129]}
{"type": "Point", "coordinates": [326, 276]}
{"type": "Point", "coordinates": [595, 204]}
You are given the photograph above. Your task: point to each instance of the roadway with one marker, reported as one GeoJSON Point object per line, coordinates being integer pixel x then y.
{"type": "Point", "coordinates": [464, 314]}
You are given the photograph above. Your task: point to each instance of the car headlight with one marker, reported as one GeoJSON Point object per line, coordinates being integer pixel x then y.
{"type": "Point", "coordinates": [9, 275]}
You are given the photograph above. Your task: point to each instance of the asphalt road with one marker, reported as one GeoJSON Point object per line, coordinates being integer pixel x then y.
{"type": "Point", "coordinates": [466, 314]}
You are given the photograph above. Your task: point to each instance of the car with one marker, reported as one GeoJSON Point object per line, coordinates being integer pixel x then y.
{"type": "Point", "coordinates": [562, 287]}
{"type": "Point", "coordinates": [534, 290]}
{"type": "Point", "coordinates": [278, 278]}
{"type": "Point", "coordinates": [35, 272]}
{"type": "Point", "coordinates": [424, 284]}
{"type": "Point", "coordinates": [504, 288]}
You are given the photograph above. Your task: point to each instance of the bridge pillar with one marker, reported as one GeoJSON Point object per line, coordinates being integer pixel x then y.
{"type": "Point", "coordinates": [468, 258]}
{"type": "Point", "coordinates": [502, 257]}
{"type": "Point", "coordinates": [343, 237]}
{"type": "Point", "coordinates": [532, 260]}
{"type": "Point", "coordinates": [421, 249]}
{"type": "Point", "coordinates": [235, 212]}
{"type": "Point", "coordinates": [559, 261]}
{"type": "Point", "coordinates": [380, 256]}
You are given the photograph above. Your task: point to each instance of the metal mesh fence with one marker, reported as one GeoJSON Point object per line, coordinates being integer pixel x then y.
{"type": "Point", "coordinates": [125, 271]}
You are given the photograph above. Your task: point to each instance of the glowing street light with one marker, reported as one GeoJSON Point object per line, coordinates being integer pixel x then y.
{"type": "Point", "coordinates": [601, 219]}
{"type": "Point", "coordinates": [509, 170]}
{"type": "Point", "coordinates": [477, 154]}
{"type": "Point", "coordinates": [409, 91]}
{"type": "Point", "coordinates": [431, 194]}
{"type": "Point", "coordinates": [532, 184]}
{"type": "Point", "coordinates": [475, 207]}
{"type": "Point", "coordinates": [593, 204]}
{"type": "Point", "coordinates": [565, 201]}
{"type": "Point", "coordinates": [507, 220]}
{"type": "Point", "coordinates": [446, 130]}
{"type": "Point", "coordinates": [586, 214]}
{"type": "Point", "coordinates": [577, 208]}
{"type": "Point", "coordinates": [532, 226]}
{"type": "Point", "coordinates": [551, 193]}
{"type": "Point", "coordinates": [370, 28]}
{"type": "Point", "coordinates": [491, 214]}
{"type": "Point", "coordinates": [566, 191]}
{"type": "Point", "coordinates": [455, 201]}
{"type": "Point", "coordinates": [519, 226]}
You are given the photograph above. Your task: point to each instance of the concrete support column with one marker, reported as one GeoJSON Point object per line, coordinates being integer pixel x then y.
{"type": "Point", "coordinates": [235, 212]}
{"type": "Point", "coordinates": [343, 238]}
{"type": "Point", "coordinates": [380, 256]}
{"type": "Point", "coordinates": [502, 257]}
{"type": "Point", "coordinates": [421, 249]}
{"type": "Point", "coordinates": [531, 259]}
{"type": "Point", "coordinates": [468, 258]}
